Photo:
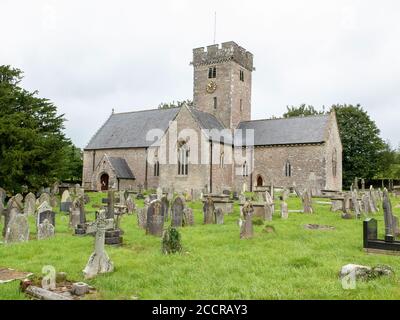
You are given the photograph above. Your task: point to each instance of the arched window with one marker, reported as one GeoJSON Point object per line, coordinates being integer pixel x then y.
{"type": "Point", "coordinates": [156, 168]}
{"type": "Point", "coordinates": [245, 169]}
{"type": "Point", "coordinates": [288, 169]}
{"type": "Point", "coordinates": [183, 160]}
{"type": "Point", "coordinates": [334, 162]}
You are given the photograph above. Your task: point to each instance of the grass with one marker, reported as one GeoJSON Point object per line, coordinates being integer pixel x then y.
{"type": "Point", "coordinates": [290, 263]}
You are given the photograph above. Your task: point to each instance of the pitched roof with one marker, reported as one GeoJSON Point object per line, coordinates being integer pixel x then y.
{"type": "Point", "coordinates": [296, 130]}
{"type": "Point", "coordinates": [121, 168]}
{"type": "Point", "coordinates": [212, 125]}
{"type": "Point", "coordinates": [128, 130]}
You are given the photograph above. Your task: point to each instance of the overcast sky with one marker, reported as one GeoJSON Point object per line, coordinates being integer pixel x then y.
{"type": "Point", "coordinates": [91, 56]}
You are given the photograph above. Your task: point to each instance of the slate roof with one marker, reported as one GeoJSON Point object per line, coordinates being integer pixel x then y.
{"type": "Point", "coordinates": [121, 168]}
{"type": "Point", "coordinates": [128, 130]}
{"type": "Point", "coordinates": [297, 130]}
{"type": "Point", "coordinates": [209, 122]}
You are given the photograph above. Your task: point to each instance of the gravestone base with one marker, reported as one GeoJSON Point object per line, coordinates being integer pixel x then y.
{"type": "Point", "coordinates": [113, 237]}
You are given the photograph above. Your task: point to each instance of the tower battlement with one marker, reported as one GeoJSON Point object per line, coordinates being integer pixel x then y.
{"type": "Point", "coordinates": [228, 51]}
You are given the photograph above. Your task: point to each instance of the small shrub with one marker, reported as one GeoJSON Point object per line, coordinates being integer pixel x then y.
{"type": "Point", "coordinates": [171, 241]}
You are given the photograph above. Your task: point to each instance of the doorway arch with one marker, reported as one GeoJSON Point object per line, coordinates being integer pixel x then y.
{"type": "Point", "coordinates": [104, 179]}
{"type": "Point", "coordinates": [259, 181]}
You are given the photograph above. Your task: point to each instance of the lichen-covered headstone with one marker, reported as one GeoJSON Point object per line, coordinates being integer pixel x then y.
{"type": "Point", "coordinates": [246, 223]}
{"type": "Point", "coordinates": [44, 197]}
{"type": "Point", "coordinates": [177, 208]}
{"type": "Point", "coordinates": [208, 211]}
{"type": "Point", "coordinates": [219, 216]}
{"type": "Point", "coordinates": [45, 230]}
{"type": "Point", "coordinates": [188, 217]}
{"type": "Point", "coordinates": [29, 204]}
{"type": "Point", "coordinates": [269, 207]}
{"type": "Point", "coordinates": [165, 207]}
{"type": "Point", "coordinates": [17, 229]}
{"type": "Point", "coordinates": [307, 202]}
{"type": "Point", "coordinates": [155, 220]}
{"type": "Point", "coordinates": [171, 241]}
{"type": "Point", "coordinates": [130, 204]}
{"type": "Point", "coordinates": [142, 217]}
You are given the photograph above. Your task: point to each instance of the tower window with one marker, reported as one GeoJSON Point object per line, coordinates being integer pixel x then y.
{"type": "Point", "coordinates": [288, 169]}
{"type": "Point", "coordinates": [215, 103]}
{"type": "Point", "coordinates": [241, 76]}
{"type": "Point", "coordinates": [241, 105]}
{"type": "Point", "coordinates": [245, 170]}
{"type": "Point", "coordinates": [212, 72]}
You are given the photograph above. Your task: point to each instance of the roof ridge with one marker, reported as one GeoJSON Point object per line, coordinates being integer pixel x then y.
{"type": "Point", "coordinates": [146, 110]}
{"type": "Point", "coordinates": [282, 118]}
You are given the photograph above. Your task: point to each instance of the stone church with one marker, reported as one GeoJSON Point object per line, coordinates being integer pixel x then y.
{"type": "Point", "coordinates": [214, 145]}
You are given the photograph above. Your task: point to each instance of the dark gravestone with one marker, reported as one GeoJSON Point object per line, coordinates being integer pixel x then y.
{"type": "Point", "coordinates": [164, 207]}
{"type": "Point", "coordinates": [49, 215]}
{"type": "Point", "coordinates": [177, 212]}
{"type": "Point", "coordinates": [208, 211]}
{"type": "Point", "coordinates": [370, 231]}
{"type": "Point", "coordinates": [155, 221]}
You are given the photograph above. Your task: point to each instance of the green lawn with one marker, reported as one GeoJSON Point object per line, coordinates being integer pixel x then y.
{"type": "Point", "coordinates": [292, 263]}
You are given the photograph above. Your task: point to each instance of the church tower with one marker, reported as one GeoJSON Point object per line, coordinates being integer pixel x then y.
{"type": "Point", "coordinates": [222, 82]}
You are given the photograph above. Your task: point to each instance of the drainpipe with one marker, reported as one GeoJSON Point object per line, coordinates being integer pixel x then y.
{"type": "Point", "coordinates": [145, 177]}
{"type": "Point", "coordinates": [94, 160]}
{"type": "Point", "coordinates": [211, 157]}
{"type": "Point", "coordinates": [252, 169]}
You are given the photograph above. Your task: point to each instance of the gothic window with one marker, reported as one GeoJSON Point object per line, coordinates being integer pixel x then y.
{"type": "Point", "coordinates": [156, 168]}
{"type": "Point", "coordinates": [183, 161]}
{"type": "Point", "coordinates": [245, 169]}
{"type": "Point", "coordinates": [241, 76]}
{"type": "Point", "coordinates": [334, 163]}
{"type": "Point", "coordinates": [222, 160]}
{"type": "Point", "coordinates": [212, 72]}
{"type": "Point", "coordinates": [241, 105]}
{"type": "Point", "coordinates": [215, 103]}
{"type": "Point", "coordinates": [288, 169]}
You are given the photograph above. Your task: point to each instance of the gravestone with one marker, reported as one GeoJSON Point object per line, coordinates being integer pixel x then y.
{"type": "Point", "coordinates": [366, 204]}
{"type": "Point", "coordinates": [219, 216]}
{"type": "Point", "coordinates": [29, 204]}
{"type": "Point", "coordinates": [53, 201]}
{"type": "Point", "coordinates": [122, 197]}
{"type": "Point", "coordinates": [155, 220]}
{"type": "Point", "coordinates": [363, 185]}
{"type": "Point", "coordinates": [159, 193]}
{"type": "Point", "coordinates": [46, 215]}
{"type": "Point", "coordinates": [242, 198]}
{"type": "Point", "coordinates": [355, 204]}
{"type": "Point", "coordinates": [99, 262]}
{"type": "Point", "coordinates": [55, 190]}
{"type": "Point", "coordinates": [44, 197]}
{"type": "Point", "coordinates": [165, 207]}
{"type": "Point", "coordinates": [45, 230]}
{"type": "Point", "coordinates": [9, 215]}
{"type": "Point", "coordinates": [177, 208]}
{"type": "Point", "coordinates": [307, 202]}
{"type": "Point", "coordinates": [390, 231]}
{"type": "Point", "coordinates": [74, 217]}
{"type": "Point", "coordinates": [19, 197]}
{"type": "Point", "coordinates": [246, 223]}
{"type": "Point", "coordinates": [208, 211]}
{"type": "Point", "coordinates": [66, 201]}
{"type": "Point", "coordinates": [269, 207]}
{"type": "Point", "coordinates": [285, 194]}
{"type": "Point", "coordinates": [130, 204]}
{"type": "Point", "coordinates": [142, 217]}
{"type": "Point", "coordinates": [188, 217]}
{"type": "Point", "coordinates": [373, 200]}
{"type": "Point", "coordinates": [110, 205]}
{"type": "Point", "coordinates": [284, 210]}
{"type": "Point", "coordinates": [17, 229]}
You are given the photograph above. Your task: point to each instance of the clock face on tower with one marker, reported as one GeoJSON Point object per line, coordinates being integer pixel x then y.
{"type": "Point", "coordinates": [211, 87]}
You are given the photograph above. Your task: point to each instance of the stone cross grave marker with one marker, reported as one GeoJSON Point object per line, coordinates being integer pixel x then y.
{"type": "Point", "coordinates": [246, 223]}
{"type": "Point", "coordinates": [208, 211]}
{"type": "Point", "coordinates": [178, 206]}
{"type": "Point", "coordinates": [155, 220]}
{"type": "Point", "coordinates": [99, 262]}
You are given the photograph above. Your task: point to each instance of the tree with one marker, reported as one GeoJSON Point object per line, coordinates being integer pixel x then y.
{"type": "Point", "coordinates": [177, 104]}
{"type": "Point", "coordinates": [302, 111]}
{"type": "Point", "coordinates": [32, 143]}
{"type": "Point", "coordinates": [363, 148]}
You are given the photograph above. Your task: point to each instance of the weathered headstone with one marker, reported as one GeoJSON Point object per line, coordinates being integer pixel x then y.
{"type": "Point", "coordinates": [373, 200]}
{"type": "Point", "coordinates": [99, 262]}
{"type": "Point", "coordinates": [46, 215]}
{"type": "Point", "coordinates": [53, 201]}
{"type": "Point", "coordinates": [159, 193]}
{"type": "Point", "coordinates": [219, 216]}
{"type": "Point", "coordinates": [246, 223]}
{"type": "Point", "coordinates": [45, 230]}
{"type": "Point", "coordinates": [130, 204]}
{"type": "Point", "coordinates": [284, 210]}
{"type": "Point", "coordinates": [121, 197]}
{"type": "Point", "coordinates": [177, 212]}
{"type": "Point", "coordinates": [142, 217]}
{"type": "Point", "coordinates": [188, 217]}
{"type": "Point", "coordinates": [44, 197]}
{"type": "Point", "coordinates": [390, 227]}
{"type": "Point", "coordinates": [110, 205]}
{"type": "Point", "coordinates": [17, 229]}
{"type": "Point", "coordinates": [363, 185]}
{"type": "Point", "coordinates": [366, 203]}
{"type": "Point", "coordinates": [55, 190]}
{"type": "Point", "coordinates": [269, 207]}
{"type": "Point", "coordinates": [355, 204]}
{"type": "Point", "coordinates": [208, 211]}
{"type": "Point", "coordinates": [29, 204]}
{"type": "Point", "coordinates": [165, 207]}
{"type": "Point", "coordinates": [155, 220]}
{"type": "Point", "coordinates": [307, 202]}
{"type": "Point", "coordinates": [66, 201]}
{"type": "Point", "coordinates": [285, 194]}
{"type": "Point", "coordinates": [9, 215]}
